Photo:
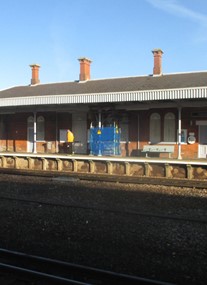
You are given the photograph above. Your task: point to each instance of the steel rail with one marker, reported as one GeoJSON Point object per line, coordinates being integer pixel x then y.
{"type": "Point", "coordinates": [40, 275]}
{"type": "Point", "coordinates": [149, 180]}
{"type": "Point", "coordinates": [65, 273]}
{"type": "Point", "coordinates": [114, 211]}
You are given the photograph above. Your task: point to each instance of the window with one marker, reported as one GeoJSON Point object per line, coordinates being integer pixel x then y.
{"type": "Point", "coordinates": [183, 136]}
{"type": "Point", "coordinates": [30, 122]}
{"type": "Point", "coordinates": [169, 127]}
{"type": "Point", "coordinates": [155, 134]}
{"type": "Point", "coordinates": [124, 132]}
{"type": "Point", "coordinates": [40, 128]}
{"type": "Point", "coordinates": [124, 128]}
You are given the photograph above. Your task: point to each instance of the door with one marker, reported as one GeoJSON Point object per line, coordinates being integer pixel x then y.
{"type": "Point", "coordinates": [30, 139]}
{"type": "Point", "coordinates": [202, 149]}
{"type": "Point", "coordinates": [79, 129]}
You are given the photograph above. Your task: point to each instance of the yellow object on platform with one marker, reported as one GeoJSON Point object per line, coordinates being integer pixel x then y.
{"type": "Point", "coordinates": [70, 136]}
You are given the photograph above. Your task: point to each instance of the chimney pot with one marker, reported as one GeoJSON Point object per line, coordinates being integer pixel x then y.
{"type": "Point", "coordinates": [157, 70]}
{"type": "Point", "coordinates": [35, 74]}
{"type": "Point", "coordinates": [84, 68]}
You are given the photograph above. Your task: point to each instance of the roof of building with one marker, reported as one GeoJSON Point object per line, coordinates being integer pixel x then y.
{"type": "Point", "coordinates": [125, 84]}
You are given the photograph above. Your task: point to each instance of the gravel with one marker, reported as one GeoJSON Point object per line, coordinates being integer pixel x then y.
{"type": "Point", "coordinates": [154, 232]}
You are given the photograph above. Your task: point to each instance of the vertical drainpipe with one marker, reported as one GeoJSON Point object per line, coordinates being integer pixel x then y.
{"type": "Point", "coordinates": [99, 119]}
{"type": "Point", "coordinates": [56, 133]}
{"type": "Point", "coordinates": [179, 133]}
{"type": "Point", "coordinates": [99, 125]}
{"type": "Point", "coordinates": [138, 131]}
{"type": "Point", "coordinates": [35, 133]}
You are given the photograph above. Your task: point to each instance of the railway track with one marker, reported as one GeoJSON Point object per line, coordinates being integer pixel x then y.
{"type": "Point", "coordinates": [114, 211]}
{"type": "Point", "coordinates": [103, 209]}
{"type": "Point", "coordinates": [30, 267]}
{"type": "Point", "coordinates": [195, 183]}
{"type": "Point", "coordinates": [84, 212]}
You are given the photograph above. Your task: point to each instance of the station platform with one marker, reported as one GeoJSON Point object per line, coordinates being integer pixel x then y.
{"type": "Point", "coordinates": [106, 165]}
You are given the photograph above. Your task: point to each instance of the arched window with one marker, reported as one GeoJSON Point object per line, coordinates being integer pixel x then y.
{"type": "Point", "coordinates": [169, 127]}
{"type": "Point", "coordinates": [155, 133]}
{"type": "Point", "coordinates": [124, 127]}
{"type": "Point", "coordinates": [30, 122]}
{"type": "Point", "coordinates": [40, 128]}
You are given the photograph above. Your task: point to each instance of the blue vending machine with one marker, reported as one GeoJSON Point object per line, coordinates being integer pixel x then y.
{"type": "Point", "coordinates": [105, 141]}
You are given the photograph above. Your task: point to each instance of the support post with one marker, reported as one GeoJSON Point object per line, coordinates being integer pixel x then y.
{"type": "Point", "coordinates": [179, 133]}
{"type": "Point", "coordinates": [138, 135]}
{"type": "Point", "coordinates": [99, 125]}
{"type": "Point", "coordinates": [99, 118]}
{"type": "Point", "coordinates": [35, 133]}
{"type": "Point", "coordinates": [56, 133]}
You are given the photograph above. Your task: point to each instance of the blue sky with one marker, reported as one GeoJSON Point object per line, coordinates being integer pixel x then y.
{"type": "Point", "coordinates": [117, 35]}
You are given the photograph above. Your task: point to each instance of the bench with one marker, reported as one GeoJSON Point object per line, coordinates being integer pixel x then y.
{"type": "Point", "coordinates": [158, 149]}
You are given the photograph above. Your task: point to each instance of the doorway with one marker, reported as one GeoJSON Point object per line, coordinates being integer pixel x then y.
{"type": "Point", "coordinates": [79, 129]}
{"type": "Point", "coordinates": [202, 148]}
{"type": "Point", "coordinates": [30, 139]}
{"type": "Point", "coordinates": [30, 134]}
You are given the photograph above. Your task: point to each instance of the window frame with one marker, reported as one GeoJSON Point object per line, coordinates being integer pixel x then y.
{"type": "Point", "coordinates": [168, 126]}
{"type": "Point", "coordinates": [155, 123]}
{"type": "Point", "coordinates": [40, 124]}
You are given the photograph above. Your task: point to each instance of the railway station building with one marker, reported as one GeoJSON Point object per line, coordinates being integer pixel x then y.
{"type": "Point", "coordinates": [159, 114]}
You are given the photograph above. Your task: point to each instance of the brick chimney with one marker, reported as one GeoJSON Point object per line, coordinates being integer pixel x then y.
{"type": "Point", "coordinates": [35, 74]}
{"type": "Point", "coordinates": [84, 68]}
{"type": "Point", "coordinates": [157, 70]}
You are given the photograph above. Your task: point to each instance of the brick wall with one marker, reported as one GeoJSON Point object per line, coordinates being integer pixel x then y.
{"type": "Point", "coordinates": [188, 122]}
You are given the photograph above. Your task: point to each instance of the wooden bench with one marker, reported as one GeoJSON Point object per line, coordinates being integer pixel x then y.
{"type": "Point", "coordinates": [158, 149]}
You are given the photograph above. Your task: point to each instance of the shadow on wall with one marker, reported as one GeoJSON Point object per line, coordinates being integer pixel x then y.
{"type": "Point", "coordinates": [136, 152]}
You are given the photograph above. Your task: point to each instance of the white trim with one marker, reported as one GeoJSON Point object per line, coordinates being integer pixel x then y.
{"type": "Point", "coordinates": [35, 133]}
{"type": "Point", "coordinates": [202, 146]}
{"type": "Point", "coordinates": [185, 132]}
{"type": "Point", "coordinates": [106, 158]}
{"type": "Point", "coordinates": [163, 142]}
{"type": "Point", "coordinates": [30, 144]}
{"type": "Point", "coordinates": [130, 96]}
